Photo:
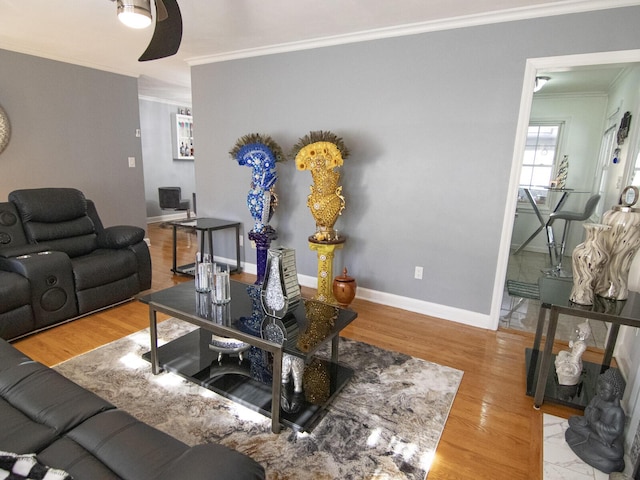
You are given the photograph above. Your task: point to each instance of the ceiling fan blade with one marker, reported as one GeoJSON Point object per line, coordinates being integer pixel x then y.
{"type": "Point", "coordinates": [161, 10]}
{"type": "Point", "coordinates": [167, 34]}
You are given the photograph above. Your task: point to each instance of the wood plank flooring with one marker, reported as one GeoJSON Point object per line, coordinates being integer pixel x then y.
{"type": "Point", "coordinates": [492, 431]}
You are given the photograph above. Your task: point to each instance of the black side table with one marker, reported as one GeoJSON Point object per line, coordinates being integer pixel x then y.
{"type": "Point", "coordinates": [554, 300]}
{"type": "Point", "coordinates": [204, 226]}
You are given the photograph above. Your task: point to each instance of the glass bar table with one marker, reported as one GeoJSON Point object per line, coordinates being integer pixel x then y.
{"type": "Point", "coordinates": [542, 221]}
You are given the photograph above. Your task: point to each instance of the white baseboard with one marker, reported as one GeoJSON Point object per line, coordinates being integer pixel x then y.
{"type": "Point", "coordinates": [168, 218]}
{"type": "Point", "coordinates": [442, 312]}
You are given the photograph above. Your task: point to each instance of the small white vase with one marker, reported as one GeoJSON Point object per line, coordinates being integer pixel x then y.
{"type": "Point", "coordinates": [589, 258]}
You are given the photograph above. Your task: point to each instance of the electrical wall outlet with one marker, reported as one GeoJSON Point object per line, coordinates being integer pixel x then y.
{"type": "Point", "coordinates": [132, 162]}
{"type": "Point", "coordinates": [418, 273]}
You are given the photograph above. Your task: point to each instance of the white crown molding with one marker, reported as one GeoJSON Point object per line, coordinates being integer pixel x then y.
{"type": "Point", "coordinates": [61, 58]}
{"type": "Point", "coordinates": [508, 15]}
{"type": "Point", "coordinates": [572, 95]}
{"type": "Point", "coordinates": [149, 98]}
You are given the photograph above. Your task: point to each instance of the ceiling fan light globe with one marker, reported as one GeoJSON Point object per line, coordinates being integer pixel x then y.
{"type": "Point", "coordinates": [134, 13]}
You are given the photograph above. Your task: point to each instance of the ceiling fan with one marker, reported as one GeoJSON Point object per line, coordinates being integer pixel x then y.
{"type": "Point", "coordinates": [167, 33]}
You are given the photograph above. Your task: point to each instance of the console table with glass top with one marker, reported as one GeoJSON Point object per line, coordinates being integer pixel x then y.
{"type": "Point", "coordinates": [554, 301]}
{"type": "Point", "coordinates": [206, 226]}
{"type": "Point", "coordinates": [254, 378]}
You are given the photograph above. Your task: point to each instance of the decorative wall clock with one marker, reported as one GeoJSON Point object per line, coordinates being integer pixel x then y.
{"type": "Point", "coordinates": [5, 130]}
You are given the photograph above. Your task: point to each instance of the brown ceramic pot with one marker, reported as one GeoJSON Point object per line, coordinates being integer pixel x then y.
{"type": "Point", "coordinates": [344, 288]}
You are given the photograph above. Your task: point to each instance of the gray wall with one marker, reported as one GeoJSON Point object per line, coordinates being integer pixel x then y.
{"type": "Point", "coordinates": [73, 127]}
{"type": "Point", "coordinates": [160, 169]}
{"type": "Point", "coordinates": [430, 120]}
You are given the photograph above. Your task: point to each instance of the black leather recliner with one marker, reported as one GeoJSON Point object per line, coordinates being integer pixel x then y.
{"type": "Point", "coordinates": [57, 260]}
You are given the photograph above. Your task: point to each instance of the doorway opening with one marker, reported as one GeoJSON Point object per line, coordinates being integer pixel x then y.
{"type": "Point", "coordinates": [589, 97]}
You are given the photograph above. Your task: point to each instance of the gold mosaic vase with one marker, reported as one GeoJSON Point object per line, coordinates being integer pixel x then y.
{"type": "Point", "coordinates": [325, 201]}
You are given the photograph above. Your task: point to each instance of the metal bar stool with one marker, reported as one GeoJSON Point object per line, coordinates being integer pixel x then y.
{"type": "Point", "coordinates": [568, 217]}
{"type": "Point", "coordinates": [170, 198]}
{"type": "Point", "coordinates": [519, 293]}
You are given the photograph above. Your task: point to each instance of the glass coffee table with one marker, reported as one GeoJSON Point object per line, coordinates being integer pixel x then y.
{"type": "Point", "coordinates": [238, 351]}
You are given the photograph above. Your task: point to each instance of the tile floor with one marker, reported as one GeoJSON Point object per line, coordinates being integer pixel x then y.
{"type": "Point", "coordinates": [559, 461]}
{"type": "Point", "coordinates": [522, 314]}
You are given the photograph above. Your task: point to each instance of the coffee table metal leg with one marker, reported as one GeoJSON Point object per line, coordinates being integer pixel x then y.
{"type": "Point", "coordinates": [238, 248]}
{"type": "Point", "coordinates": [334, 349]}
{"type": "Point", "coordinates": [153, 328]}
{"type": "Point", "coordinates": [174, 248]}
{"type": "Point", "coordinates": [275, 391]}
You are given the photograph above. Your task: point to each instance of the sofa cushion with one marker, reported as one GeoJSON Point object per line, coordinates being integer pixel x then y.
{"type": "Point", "coordinates": [132, 449]}
{"type": "Point", "coordinates": [21, 434]}
{"type": "Point", "coordinates": [27, 467]}
{"type": "Point", "coordinates": [74, 246]}
{"type": "Point", "coordinates": [49, 205]}
{"type": "Point", "coordinates": [48, 398]}
{"type": "Point", "coordinates": [95, 298]}
{"type": "Point", "coordinates": [58, 217]}
{"type": "Point", "coordinates": [45, 231]}
{"type": "Point", "coordinates": [229, 464]}
{"type": "Point", "coordinates": [67, 455]}
{"type": "Point", "coordinates": [102, 267]}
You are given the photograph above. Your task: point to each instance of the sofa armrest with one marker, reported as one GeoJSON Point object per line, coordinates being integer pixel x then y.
{"type": "Point", "coordinates": [19, 250]}
{"type": "Point", "coordinates": [120, 236]}
{"type": "Point", "coordinates": [213, 461]}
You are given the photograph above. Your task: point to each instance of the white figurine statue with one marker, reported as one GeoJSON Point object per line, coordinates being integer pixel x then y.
{"type": "Point", "coordinates": [294, 367]}
{"type": "Point", "coordinates": [569, 364]}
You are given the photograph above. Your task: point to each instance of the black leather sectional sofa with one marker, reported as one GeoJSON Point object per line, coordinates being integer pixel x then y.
{"type": "Point", "coordinates": [74, 430]}
{"type": "Point", "coordinates": [58, 261]}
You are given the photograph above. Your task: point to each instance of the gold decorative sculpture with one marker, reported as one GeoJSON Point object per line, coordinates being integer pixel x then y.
{"type": "Point", "coordinates": [321, 153]}
{"type": "Point", "coordinates": [321, 318]}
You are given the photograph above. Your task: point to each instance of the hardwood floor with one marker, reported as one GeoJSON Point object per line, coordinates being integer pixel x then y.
{"type": "Point", "coordinates": [492, 431]}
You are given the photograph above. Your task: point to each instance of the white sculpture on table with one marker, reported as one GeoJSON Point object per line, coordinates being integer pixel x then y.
{"type": "Point", "coordinates": [569, 363]}
{"type": "Point", "coordinates": [293, 366]}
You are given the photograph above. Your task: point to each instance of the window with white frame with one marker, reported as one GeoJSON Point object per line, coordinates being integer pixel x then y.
{"type": "Point", "coordinates": [540, 159]}
{"type": "Point", "coordinates": [635, 173]}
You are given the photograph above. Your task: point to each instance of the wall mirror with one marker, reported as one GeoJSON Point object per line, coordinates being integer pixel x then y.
{"type": "Point", "coordinates": [572, 124]}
